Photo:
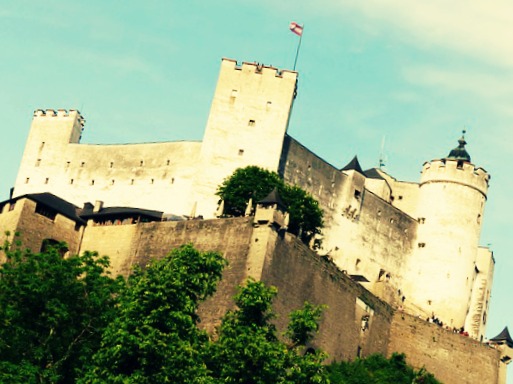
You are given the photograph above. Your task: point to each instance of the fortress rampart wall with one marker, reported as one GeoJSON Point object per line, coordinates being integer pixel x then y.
{"type": "Point", "coordinates": [454, 358]}
{"type": "Point", "coordinates": [364, 234]}
{"type": "Point", "coordinates": [155, 176]}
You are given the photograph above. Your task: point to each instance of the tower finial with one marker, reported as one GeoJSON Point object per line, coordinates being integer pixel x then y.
{"type": "Point", "coordinates": [460, 153]}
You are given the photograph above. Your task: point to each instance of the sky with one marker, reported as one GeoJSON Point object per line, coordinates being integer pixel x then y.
{"type": "Point", "coordinates": [409, 74]}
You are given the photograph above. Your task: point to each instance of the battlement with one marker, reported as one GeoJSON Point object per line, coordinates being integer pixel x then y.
{"type": "Point", "coordinates": [259, 68]}
{"type": "Point", "coordinates": [60, 113]}
{"type": "Point", "coordinates": [450, 170]}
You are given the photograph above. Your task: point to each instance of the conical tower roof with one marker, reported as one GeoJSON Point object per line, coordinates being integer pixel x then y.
{"type": "Point", "coordinates": [460, 153]}
{"type": "Point", "coordinates": [504, 337]}
{"type": "Point", "coordinates": [273, 198]}
{"type": "Point", "coordinates": [354, 165]}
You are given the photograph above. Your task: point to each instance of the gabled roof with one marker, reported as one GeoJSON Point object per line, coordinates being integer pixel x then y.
{"type": "Point", "coordinates": [353, 165]}
{"type": "Point", "coordinates": [503, 337]}
{"type": "Point", "coordinates": [273, 198]}
{"type": "Point", "coordinates": [61, 206]}
{"type": "Point", "coordinates": [373, 174]}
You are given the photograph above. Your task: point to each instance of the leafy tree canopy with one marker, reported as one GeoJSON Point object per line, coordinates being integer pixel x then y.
{"type": "Point", "coordinates": [51, 313]}
{"type": "Point", "coordinates": [376, 369]}
{"type": "Point", "coordinates": [256, 183]}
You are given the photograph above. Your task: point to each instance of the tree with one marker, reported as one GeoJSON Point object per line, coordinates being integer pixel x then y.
{"type": "Point", "coordinates": [155, 338]}
{"type": "Point", "coordinates": [256, 183]}
{"type": "Point", "coordinates": [249, 351]}
{"type": "Point", "coordinates": [376, 369]}
{"type": "Point", "coordinates": [52, 311]}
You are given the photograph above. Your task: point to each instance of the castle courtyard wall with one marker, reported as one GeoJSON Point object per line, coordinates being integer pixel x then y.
{"type": "Point", "coordinates": [454, 358]}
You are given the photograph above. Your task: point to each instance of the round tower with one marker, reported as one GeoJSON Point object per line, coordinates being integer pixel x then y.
{"type": "Point", "coordinates": [452, 195]}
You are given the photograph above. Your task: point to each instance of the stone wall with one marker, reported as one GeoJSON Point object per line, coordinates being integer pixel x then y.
{"type": "Point", "coordinates": [300, 275]}
{"type": "Point", "coordinates": [453, 358]}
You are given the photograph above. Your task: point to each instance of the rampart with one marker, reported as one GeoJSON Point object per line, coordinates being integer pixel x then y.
{"type": "Point", "coordinates": [455, 358]}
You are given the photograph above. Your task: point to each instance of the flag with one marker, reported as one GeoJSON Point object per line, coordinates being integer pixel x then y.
{"type": "Point", "coordinates": [296, 28]}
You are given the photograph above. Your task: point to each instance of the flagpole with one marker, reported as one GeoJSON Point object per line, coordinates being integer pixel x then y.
{"type": "Point", "coordinates": [299, 46]}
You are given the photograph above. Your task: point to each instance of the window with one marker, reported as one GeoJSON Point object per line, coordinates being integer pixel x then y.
{"type": "Point", "coordinates": [251, 123]}
{"type": "Point", "coordinates": [27, 180]}
{"type": "Point", "coordinates": [111, 164]}
{"type": "Point", "coordinates": [92, 182]}
{"type": "Point", "coordinates": [82, 164]}
{"type": "Point", "coordinates": [46, 180]}
{"type": "Point", "coordinates": [141, 163]}
{"type": "Point", "coordinates": [38, 162]}
{"type": "Point", "coordinates": [241, 152]}
{"type": "Point", "coordinates": [357, 194]}
{"type": "Point", "coordinates": [71, 181]}
{"type": "Point", "coordinates": [422, 245]}
{"type": "Point", "coordinates": [12, 205]}
{"type": "Point", "coordinates": [460, 164]}
{"type": "Point", "coordinates": [46, 211]}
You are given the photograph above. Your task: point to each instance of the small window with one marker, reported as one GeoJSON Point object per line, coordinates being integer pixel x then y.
{"type": "Point", "coordinates": [251, 123]}
{"type": "Point", "coordinates": [234, 93]}
{"type": "Point", "coordinates": [400, 197]}
{"type": "Point", "coordinates": [82, 164]}
{"type": "Point", "coordinates": [460, 164]}
{"type": "Point", "coordinates": [268, 105]}
{"type": "Point", "coordinates": [112, 182]}
{"type": "Point", "coordinates": [38, 162]}
{"type": "Point", "coordinates": [46, 180]}
{"type": "Point", "coordinates": [92, 182]}
{"type": "Point", "coordinates": [132, 182]}
{"type": "Point", "coordinates": [46, 211]}
{"type": "Point", "coordinates": [27, 180]}
{"type": "Point", "coordinates": [71, 181]}
{"type": "Point", "coordinates": [152, 181]}
{"type": "Point", "coordinates": [357, 194]}
{"type": "Point", "coordinates": [12, 205]}
{"type": "Point", "coordinates": [172, 180]}
{"type": "Point", "coordinates": [422, 245]}
{"type": "Point", "coordinates": [67, 164]}
{"type": "Point", "coordinates": [168, 162]}
{"type": "Point", "coordinates": [141, 163]}
{"type": "Point", "coordinates": [241, 152]}
{"type": "Point", "coordinates": [111, 164]}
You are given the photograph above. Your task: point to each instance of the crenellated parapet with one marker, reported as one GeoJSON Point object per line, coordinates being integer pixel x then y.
{"type": "Point", "coordinates": [60, 113]}
{"type": "Point", "coordinates": [455, 171]}
{"type": "Point", "coordinates": [261, 69]}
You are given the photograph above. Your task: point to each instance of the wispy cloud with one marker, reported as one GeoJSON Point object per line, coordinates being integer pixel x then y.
{"type": "Point", "coordinates": [481, 30]}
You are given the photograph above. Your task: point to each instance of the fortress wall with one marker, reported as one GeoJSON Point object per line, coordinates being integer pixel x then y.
{"type": "Point", "coordinates": [152, 176]}
{"type": "Point", "coordinates": [9, 217]}
{"type": "Point", "coordinates": [456, 359]}
{"type": "Point", "coordinates": [300, 275]}
{"type": "Point", "coordinates": [34, 228]}
{"type": "Point", "coordinates": [133, 244]}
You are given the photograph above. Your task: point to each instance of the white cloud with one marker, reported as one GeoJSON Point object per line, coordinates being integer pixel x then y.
{"type": "Point", "coordinates": [480, 30]}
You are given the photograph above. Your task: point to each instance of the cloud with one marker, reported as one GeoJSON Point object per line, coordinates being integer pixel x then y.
{"type": "Point", "coordinates": [480, 30]}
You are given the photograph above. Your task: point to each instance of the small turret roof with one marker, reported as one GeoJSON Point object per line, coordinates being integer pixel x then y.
{"type": "Point", "coordinates": [354, 165]}
{"type": "Point", "coordinates": [273, 198]}
{"type": "Point", "coordinates": [460, 153]}
{"type": "Point", "coordinates": [504, 337]}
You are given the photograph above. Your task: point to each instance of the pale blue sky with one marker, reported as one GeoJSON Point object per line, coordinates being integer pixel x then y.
{"type": "Point", "coordinates": [414, 72]}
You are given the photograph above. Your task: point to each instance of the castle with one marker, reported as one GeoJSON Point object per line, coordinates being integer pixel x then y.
{"type": "Point", "coordinates": [403, 251]}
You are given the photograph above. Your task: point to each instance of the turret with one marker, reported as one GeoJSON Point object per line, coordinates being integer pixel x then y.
{"type": "Point", "coordinates": [50, 134]}
{"type": "Point", "coordinates": [442, 270]}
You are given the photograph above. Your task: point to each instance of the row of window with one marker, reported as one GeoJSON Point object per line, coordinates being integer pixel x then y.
{"type": "Point", "coordinates": [111, 165]}
{"type": "Point", "coordinates": [92, 182]}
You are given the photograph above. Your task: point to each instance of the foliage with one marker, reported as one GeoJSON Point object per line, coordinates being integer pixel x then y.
{"type": "Point", "coordinates": [248, 349]}
{"type": "Point", "coordinates": [256, 183]}
{"type": "Point", "coordinates": [154, 338]}
{"type": "Point", "coordinates": [376, 369]}
{"type": "Point", "coordinates": [51, 312]}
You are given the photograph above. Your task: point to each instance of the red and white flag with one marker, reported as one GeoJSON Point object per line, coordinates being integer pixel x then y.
{"type": "Point", "coordinates": [296, 28]}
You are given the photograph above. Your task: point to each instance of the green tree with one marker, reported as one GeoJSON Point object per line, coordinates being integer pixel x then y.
{"type": "Point", "coordinates": [256, 183]}
{"type": "Point", "coordinates": [376, 369]}
{"type": "Point", "coordinates": [248, 349]}
{"type": "Point", "coordinates": [52, 311]}
{"type": "Point", "coordinates": [155, 338]}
